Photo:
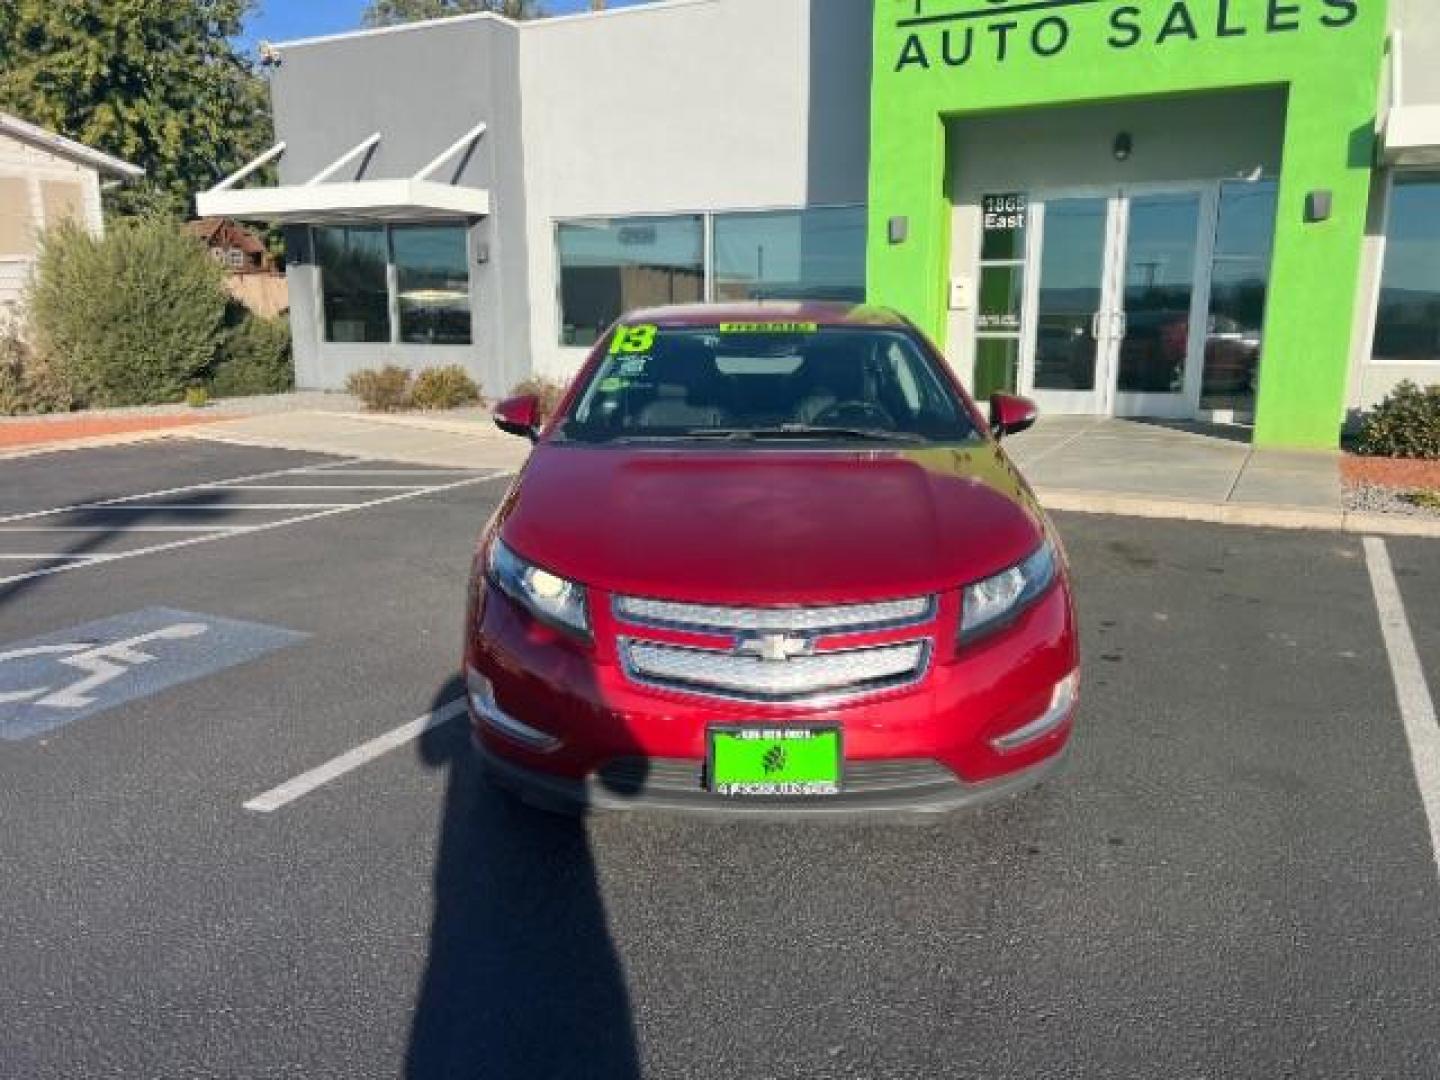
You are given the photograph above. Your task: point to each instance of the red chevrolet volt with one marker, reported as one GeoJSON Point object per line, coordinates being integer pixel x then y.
{"type": "Point", "coordinates": [769, 558]}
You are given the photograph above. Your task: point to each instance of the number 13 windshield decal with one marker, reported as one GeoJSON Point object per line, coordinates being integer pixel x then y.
{"type": "Point", "coordinates": [633, 339]}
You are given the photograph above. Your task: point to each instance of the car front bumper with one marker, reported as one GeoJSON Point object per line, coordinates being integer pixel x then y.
{"type": "Point", "coordinates": [905, 788]}
{"type": "Point", "coordinates": [561, 722]}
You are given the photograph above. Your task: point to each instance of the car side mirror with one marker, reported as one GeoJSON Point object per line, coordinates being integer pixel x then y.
{"type": "Point", "coordinates": [1010, 414]}
{"type": "Point", "coordinates": [519, 416]}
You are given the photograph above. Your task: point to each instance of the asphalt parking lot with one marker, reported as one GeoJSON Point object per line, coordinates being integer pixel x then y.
{"type": "Point", "coordinates": [1234, 876]}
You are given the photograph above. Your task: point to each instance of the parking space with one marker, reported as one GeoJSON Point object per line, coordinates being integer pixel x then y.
{"type": "Point", "coordinates": [1233, 877]}
{"type": "Point", "coordinates": [82, 524]}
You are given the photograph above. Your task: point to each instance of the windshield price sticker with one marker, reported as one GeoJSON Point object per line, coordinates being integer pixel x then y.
{"type": "Point", "coordinates": [770, 328]}
{"type": "Point", "coordinates": [630, 340]}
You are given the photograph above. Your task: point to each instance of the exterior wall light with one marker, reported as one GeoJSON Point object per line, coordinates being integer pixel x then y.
{"type": "Point", "coordinates": [1124, 146]}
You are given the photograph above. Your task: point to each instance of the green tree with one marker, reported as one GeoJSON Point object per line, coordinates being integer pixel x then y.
{"type": "Point", "coordinates": [160, 83]}
{"type": "Point", "coordinates": [390, 12]}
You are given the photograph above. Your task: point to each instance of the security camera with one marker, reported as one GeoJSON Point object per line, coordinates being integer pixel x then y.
{"type": "Point", "coordinates": [269, 55]}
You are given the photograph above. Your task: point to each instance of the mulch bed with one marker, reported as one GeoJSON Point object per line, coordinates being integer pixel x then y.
{"type": "Point", "coordinates": [1405, 473]}
{"type": "Point", "coordinates": [21, 433]}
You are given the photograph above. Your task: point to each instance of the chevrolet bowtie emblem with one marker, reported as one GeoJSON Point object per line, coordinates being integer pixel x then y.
{"type": "Point", "coordinates": [775, 648]}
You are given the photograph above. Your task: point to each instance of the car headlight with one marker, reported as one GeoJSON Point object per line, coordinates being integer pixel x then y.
{"type": "Point", "coordinates": [991, 603]}
{"type": "Point", "coordinates": [548, 597]}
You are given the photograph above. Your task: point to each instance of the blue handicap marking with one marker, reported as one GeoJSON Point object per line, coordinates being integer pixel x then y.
{"type": "Point", "coordinates": [48, 682]}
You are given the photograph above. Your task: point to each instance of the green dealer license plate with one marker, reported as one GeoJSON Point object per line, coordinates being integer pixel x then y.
{"type": "Point", "coordinates": [775, 761]}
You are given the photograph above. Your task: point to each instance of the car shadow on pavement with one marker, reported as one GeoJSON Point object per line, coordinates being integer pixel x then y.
{"type": "Point", "coordinates": [522, 978]}
{"type": "Point", "coordinates": [95, 524]}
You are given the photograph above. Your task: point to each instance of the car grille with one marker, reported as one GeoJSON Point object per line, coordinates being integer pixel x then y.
{"type": "Point", "coordinates": [840, 619]}
{"type": "Point", "coordinates": [776, 655]}
{"type": "Point", "coordinates": [753, 678]}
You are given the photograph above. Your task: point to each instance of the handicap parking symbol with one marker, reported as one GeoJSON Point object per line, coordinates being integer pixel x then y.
{"type": "Point", "coordinates": [48, 682]}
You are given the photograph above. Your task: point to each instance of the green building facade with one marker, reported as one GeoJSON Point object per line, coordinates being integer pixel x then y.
{"type": "Point", "coordinates": [1148, 208]}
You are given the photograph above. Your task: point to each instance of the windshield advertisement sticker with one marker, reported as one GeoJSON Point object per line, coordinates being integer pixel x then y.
{"type": "Point", "coordinates": [770, 328]}
{"type": "Point", "coordinates": [634, 339]}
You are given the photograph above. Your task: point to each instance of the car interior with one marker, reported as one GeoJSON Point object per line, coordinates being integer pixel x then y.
{"type": "Point", "coordinates": [697, 381]}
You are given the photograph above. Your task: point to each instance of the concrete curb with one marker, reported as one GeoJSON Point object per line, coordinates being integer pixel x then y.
{"type": "Point", "coordinates": [480, 429]}
{"type": "Point", "coordinates": [97, 442]}
{"type": "Point", "coordinates": [1252, 516]}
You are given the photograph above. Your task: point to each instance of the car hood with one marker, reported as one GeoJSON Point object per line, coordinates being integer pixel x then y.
{"type": "Point", "coordinates": [771, 526]}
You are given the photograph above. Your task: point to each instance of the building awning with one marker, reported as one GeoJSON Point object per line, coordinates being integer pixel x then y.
{"type": "Point", "coordinates": [1410, 130]}
{"type": "Point", "coordinates": [366, 200]}
{"type": "Point", "coordinates": [319, 201]}
{"type": "Point", "coordinates": [1412, 136]}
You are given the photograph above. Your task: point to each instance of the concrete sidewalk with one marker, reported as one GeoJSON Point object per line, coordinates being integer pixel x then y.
{"type": "Point", "coordinates": [467, 440]}
{"type": "Point", "coordinates": [1103, 466]}
{"type": "Point", "coordinates": [1188, 471]}
{"type": "Point", "coordinates": [1186, 462]}
{"type": "Point", "coordinates": [1134, 468]}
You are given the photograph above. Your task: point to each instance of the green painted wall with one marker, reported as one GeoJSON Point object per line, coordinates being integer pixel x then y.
{"type": "Point", "coordinates": [1034, 53]}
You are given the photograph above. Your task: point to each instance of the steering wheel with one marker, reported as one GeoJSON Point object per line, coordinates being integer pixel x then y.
{"type": "Point", "coordinates": [856, 414]}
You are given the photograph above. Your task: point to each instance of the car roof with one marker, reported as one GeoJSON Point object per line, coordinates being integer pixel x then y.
{"type": "Point", "coordinates": [821, 312]}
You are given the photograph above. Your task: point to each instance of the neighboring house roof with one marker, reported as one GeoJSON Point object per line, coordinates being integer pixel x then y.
{"type": "Point", "coordinates": [218, 230]}
{"type": "Point", "coordinates": [68, 148]}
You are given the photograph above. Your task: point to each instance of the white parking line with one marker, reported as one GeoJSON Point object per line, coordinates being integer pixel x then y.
{"type": "Point", "coordinates": [351, 760]}
{"type": "Point", "coordinates": [323, 487]}
{"type": "Point", "coordinates": [38, 557]}
{"type": "Point", "coordinates": [331, 510]}
{"type": "Point", "coordinates": [1417, 708]}
{"type": "Point", "coordinates": [185, 489]}
{"type": "Point", "coordinates": [337, 470]}
{"type": "Point", "coordinates": [119, 530]}
{"type": "Point", "coordinates": [145, 508]}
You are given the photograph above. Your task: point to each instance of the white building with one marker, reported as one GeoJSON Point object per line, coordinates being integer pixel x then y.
{"type": "Point", "coordinates": [45, 179]}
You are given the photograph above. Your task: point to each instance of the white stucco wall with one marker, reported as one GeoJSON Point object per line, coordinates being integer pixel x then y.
{"type": "Point", "coordinates": [686, 106]}
{"type": "Point", "coordinates": [1418, 25]}
{"type": "Point", "coordinates": [698, 106]}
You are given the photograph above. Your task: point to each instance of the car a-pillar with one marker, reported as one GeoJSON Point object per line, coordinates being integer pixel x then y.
{"type": "Point", "coordinates": [936, 64]}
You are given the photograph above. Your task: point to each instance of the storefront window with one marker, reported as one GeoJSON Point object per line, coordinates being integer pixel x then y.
{"type": "Point", "coordinates": [354, 281]}
{"type": "Point", "coordinates": [814, 254]}
{"type": "Point", "coordinates": [1407, 325]}
{"type": "Point", "coordinates": [1240, 279]}
{"type": "Point", "coordinates": [611, 266]}
{"type": "Point", "coordinates": [1004, 223]}
{"type": "Point", "coordinates": [432, 283]}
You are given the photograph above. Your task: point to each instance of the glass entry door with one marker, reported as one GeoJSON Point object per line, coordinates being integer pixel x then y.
{"type": "Point", "coordinates": [1066, 356]}
{"type": "Point", "coordinates": [1116, 309]}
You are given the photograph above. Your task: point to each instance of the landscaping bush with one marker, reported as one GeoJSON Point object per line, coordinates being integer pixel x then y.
{"type": "Point", "coordinates": [445, 388]}
{"type": "Point", "coordinates": [549, 391]}
{"type": "Point", "coordinates": [1405, 425]}
{"type": "Point", "coordinates": [197, 397]}
{"type": "Point", "coordinates": [132, 318]}
{"type": "Point", "coordinates": [27, 383]}
{"type": "Point", "coordinates": [254, 357]}
{"type": "Point", "coordinates": [386, 390]}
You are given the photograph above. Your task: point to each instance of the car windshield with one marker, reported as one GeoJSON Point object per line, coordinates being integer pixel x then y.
{"type": "Point", "coordinates": [766, 382]}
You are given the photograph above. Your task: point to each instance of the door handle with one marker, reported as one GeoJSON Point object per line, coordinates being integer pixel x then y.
{"type": "Point", "coordinates": [1122, 325]}
{"type": "Point", "coordinates": [1095, 326]}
